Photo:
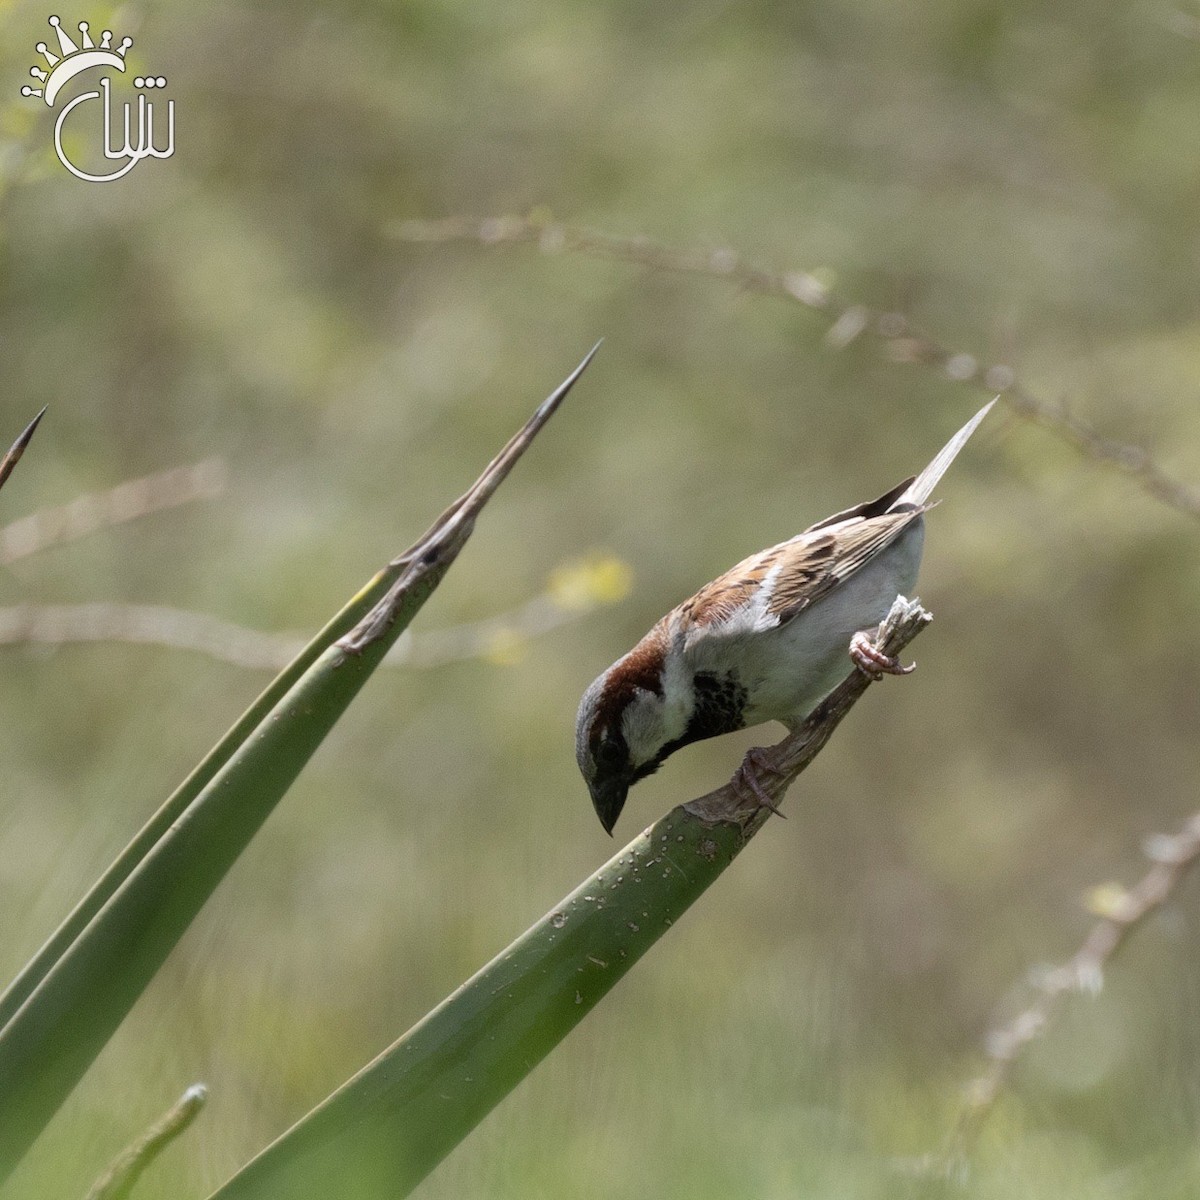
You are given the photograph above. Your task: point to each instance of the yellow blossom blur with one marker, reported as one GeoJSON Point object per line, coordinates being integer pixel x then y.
{"type": "Point", "coordinates": [596, 578]}
{"type": "Point", "coordinates": [1109, 900]}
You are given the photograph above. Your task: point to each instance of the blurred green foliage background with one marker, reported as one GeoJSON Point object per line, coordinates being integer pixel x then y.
{"type": "Point", "coordinates": [1022, 181]}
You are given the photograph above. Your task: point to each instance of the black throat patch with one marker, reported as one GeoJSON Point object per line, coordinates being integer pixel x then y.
{"type": "Point", "coordinates": [720, 705]}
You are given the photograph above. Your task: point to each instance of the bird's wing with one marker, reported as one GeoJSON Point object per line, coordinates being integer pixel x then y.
{"type": "Point", "coordinates": [802, 579]}
{"type": "Point", "coordinates": [916, 489]}
{"type": "Point", "coordinates": [773, 586]}
{"type": "Point", "coordinates": [872, 508]}
{"type": "Point", "coordinates": [729, 595]}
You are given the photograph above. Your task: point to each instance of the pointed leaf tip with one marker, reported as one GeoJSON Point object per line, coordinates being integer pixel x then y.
{"type": "Point", "coordinates": [556, 397]}
{"type": "Point", "coordinates": [448, 534]}
{"type": "Point", "coordinates": [497, 470]}
{"type": "Point", "coordinates": [13, 456]}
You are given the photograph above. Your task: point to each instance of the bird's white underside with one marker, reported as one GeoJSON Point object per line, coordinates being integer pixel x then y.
{"type": "Point", "coordinates": [788, 668]}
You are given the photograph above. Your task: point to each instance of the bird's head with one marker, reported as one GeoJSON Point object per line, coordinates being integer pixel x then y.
{"type": "Point", "coordinates": [629, 720]}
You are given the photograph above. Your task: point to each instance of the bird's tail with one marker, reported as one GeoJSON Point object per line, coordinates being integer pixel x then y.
{"type": "Point", "coordinates": [918, 492]}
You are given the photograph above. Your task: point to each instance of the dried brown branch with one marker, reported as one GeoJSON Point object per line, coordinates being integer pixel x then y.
{"type": "Point", "coordinates": [847, 321]}
{"type": "Point", "coordinates": [117, 1182]}
{"type": "Point", "coordinates": [126, 502]}
{"type": "Point", "coordinates": [1172, 856]}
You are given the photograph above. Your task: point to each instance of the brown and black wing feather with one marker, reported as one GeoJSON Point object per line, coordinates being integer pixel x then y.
{"type": "Point", "coordinates": [726, 595]}
{"type": "Point", "coordinates": [804, 577]}
{"type": "Point", "coordinates": [805, 568]}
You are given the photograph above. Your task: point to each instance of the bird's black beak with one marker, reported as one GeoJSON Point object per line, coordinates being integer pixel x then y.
{"type": "Point", "coordinates": [608, 798]}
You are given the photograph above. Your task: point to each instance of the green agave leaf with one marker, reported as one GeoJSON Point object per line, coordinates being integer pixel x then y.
{"type": "Point", "coordinates": [386, 1128]}
{"type": "Point", "coordinates": [73, 1009]}
{"type": "Point", "coordinates": [39, 966]}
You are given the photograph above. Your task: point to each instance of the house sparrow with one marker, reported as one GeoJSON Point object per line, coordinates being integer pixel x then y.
{"type": "Point", "coordinates": [764, 642]}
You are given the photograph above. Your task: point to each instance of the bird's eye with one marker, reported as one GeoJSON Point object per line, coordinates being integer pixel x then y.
{"type": "Point", "coordinates": [610, 753]}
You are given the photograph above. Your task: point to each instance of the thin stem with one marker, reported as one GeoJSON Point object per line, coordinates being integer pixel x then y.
{"type": "Point", "coordinates": [100, 510]}
{"type": "Point", "coordinates": [903, 343]}
{"type": "Point", "coordinates": [118, 1181]}
{"type": "Point", "coordinates": [501, 636]}
{"type": "Point", "coordinates": [1121, 913]}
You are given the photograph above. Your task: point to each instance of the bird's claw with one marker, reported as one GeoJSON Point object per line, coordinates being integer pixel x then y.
{"type": "Point", "coordinates": [872, 661]}
{"type": "Point", "coordinates": [747, 775]}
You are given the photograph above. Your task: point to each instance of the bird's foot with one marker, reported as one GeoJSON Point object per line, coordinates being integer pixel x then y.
{"type": "Point", "coordinates": [872, 661]}
{"type": "Point", "coordinates": [746, 777]}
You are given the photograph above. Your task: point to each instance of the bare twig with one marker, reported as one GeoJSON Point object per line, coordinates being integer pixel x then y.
{"type": "Point", "coordinates": [1121, 912]}
{"type": "Point", "coordinates": [15, 451]}
{"type": "Point", "coordinates": [125, 502]}
{"type": "Point", "coordinates": [117, 1182]}
{"type": "Point", "coordinates": [147, 625]}
{"type": "Point", "coordinates": [847, 321]}
{"type": "Point", "coordinates": [500, 637]}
